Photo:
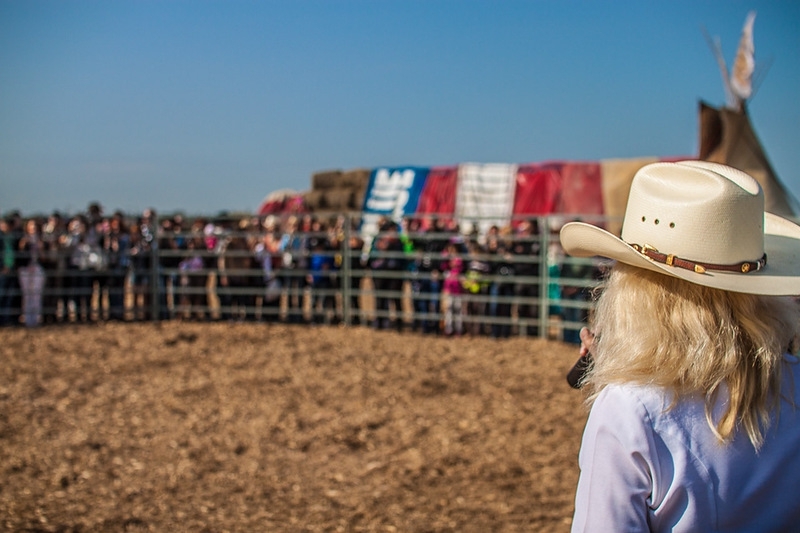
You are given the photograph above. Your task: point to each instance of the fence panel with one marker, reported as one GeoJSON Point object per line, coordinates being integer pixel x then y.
{"type": "Point", "coordinates": [409, 276]}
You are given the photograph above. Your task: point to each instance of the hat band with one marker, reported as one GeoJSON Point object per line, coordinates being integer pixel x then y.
{"type": "Point", "coordinates": [696, 266]}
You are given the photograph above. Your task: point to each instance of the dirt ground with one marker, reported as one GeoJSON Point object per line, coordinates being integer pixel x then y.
{"type": "Point", "coordinates": [213, 427]}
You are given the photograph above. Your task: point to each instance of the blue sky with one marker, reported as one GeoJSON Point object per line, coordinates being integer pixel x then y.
{"type": "Point", "coordinates": [207, 106]}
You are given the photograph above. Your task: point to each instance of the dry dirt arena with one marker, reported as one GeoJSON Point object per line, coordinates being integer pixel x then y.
{"type": "Point", "coordinates": [214, 427]}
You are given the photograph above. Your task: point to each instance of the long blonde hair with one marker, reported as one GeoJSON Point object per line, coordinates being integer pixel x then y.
{"type": "Point", "coordinates": [659, 330]}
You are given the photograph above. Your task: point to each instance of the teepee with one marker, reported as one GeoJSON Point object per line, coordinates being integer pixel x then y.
{"type": "Point", "coordinates": [727, 135]}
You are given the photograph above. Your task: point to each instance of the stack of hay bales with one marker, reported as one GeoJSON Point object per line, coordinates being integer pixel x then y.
{"type": "Point", "coordinates": [337, 191]}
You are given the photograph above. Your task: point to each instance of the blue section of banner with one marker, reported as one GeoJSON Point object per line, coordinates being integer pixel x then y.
{"type": "Point", "coordinates": [394, 191]}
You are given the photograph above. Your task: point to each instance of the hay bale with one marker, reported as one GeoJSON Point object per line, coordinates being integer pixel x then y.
{"type": "Point", "coordinates": [315, 200]}
{"type": "Point", "coordinates": [337, 200]}
{"type": "Point", "coordinates": [325, 180]}
{"type": "Point", "coordinates": [356, 179]}
{"type": "Point", "coordinates": [358, 199]}
{"type": "Point", "coordinates": [340, 199]}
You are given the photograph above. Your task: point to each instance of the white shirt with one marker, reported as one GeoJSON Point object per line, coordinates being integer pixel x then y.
{"type": "Point", "coordinates": [647, 468]}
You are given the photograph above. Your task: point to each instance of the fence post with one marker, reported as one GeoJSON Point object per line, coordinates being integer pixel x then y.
{"type": "Point", "coordinates": [346, 272]}
{"type": "Point", "coordinates": [155, 297]}
{"type": "Point", "coordinates": [544, 275]}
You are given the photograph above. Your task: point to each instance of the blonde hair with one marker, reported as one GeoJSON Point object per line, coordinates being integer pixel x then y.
{"type": "Point", "coordinates": [659, 330]}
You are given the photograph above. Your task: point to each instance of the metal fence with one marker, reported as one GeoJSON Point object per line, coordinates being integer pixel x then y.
{"type": "Point", "coordinates": [508, 283]}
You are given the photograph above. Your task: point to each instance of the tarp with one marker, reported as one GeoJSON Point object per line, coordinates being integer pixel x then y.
{"type": "Point", "coordinates": [485, 194]}
{"type": "Point", "coordinates": [280, 202]}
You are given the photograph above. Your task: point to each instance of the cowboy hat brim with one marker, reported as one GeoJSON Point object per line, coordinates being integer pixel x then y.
{"type": "Point", "coordinates": [779, 277]}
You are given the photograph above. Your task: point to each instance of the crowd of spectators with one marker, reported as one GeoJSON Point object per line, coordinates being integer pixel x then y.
{"type": "Point", "coordinates": [423, 274]}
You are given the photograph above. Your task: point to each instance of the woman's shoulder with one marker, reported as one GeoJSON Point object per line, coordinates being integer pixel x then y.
{"type": "Point", "coordinates": [654, 410]}
{"type": "Point", "coordinates": [634, 396]}
{"type": "Point", "coordinates": [628, 411]}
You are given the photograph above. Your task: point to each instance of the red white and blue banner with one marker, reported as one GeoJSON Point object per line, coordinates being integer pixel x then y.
{"type": "Point", "coordinates": [494, 193]}
{"type": "Point", "coordinates": [488, 194]}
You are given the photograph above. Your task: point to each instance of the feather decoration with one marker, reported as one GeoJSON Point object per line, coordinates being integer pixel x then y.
{"type": "Point", "coordinates": [744, 65]}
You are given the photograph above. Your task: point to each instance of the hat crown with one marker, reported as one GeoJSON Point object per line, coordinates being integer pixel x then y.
{"type": "Point", "coordinates": [696, 210]}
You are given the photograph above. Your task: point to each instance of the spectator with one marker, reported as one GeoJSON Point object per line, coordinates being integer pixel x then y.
{"type": "Point", "coordinates": [555, 256]}
{"type": "Point", "coordinates": [237, 265]}
{"type": "Point", "coordinates": [193, 294]}
{"type": "Point", "coordinates": [96, 260]}
{"type": "Point", "coordinates": [294, 255]}
{"type": "Point", "coordinates": [335, 244]}
{"type": "Point", "coordinates": [15, 231]}
{"type": "Point", "coordinates": [268, 255]}
{"type": "Point", "coordinates": [526, 249]}
{"type": "Point", "coordinates": [413, 244]}
{"type": "Point", "coordinates": [116, 245]}
{"type": "Point", "coordinates": [153, 235]}
{"type": "Point", "coordinates": [387, 265]}
{"type": "Point", "coordinates": [171, 247]}
{"type": "Point", "coordinates": [31, 274]}
{"type": "Point", "coordinates": [79, 277]}
{"type": "Point", "coordinates": [501, 290]}
{"type": "Point", "coordinates": [142, 251]}
{"type": "Point", "coordinates": [94, 214]}
{"type": "Point", "coordinates": [139, 252]}
{"type": "Point", "coordinates": [53, 262]}
{"type": "Point", "coordinates": [452, 294]}
{"type": "Point", "coordinates": [320, 278]}
{"type": "Point", "coordinates": [355, 248]}
{"type": "Point", "coordinates": [427, 301]}
{"type": "Point", "coordinates": [575, 269]}
{"type": "Point", "coordinates": [7, 273]}
{"type": "Point", "coordinates": [476, 288]}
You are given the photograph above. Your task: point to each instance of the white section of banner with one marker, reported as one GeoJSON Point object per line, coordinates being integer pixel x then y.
{"type": "Point", "coordinates": [485, 195]}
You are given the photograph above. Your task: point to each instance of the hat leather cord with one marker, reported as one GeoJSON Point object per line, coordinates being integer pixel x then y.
{"type": "Point", "coordinates": [697, 266]}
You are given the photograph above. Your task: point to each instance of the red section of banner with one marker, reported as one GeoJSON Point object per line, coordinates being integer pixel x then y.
{"type": "Point", "coordinates": [581, 192]}
{"type": "Point", "coordinates": [439, 193]}
{"type": "Point", "coordinates": [559, 187]}
{"type": "Point", "coordinates": [538, 189]}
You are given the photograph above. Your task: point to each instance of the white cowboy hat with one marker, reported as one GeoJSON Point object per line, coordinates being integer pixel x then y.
{"type": "Point", "coordinates": [701, 222]}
